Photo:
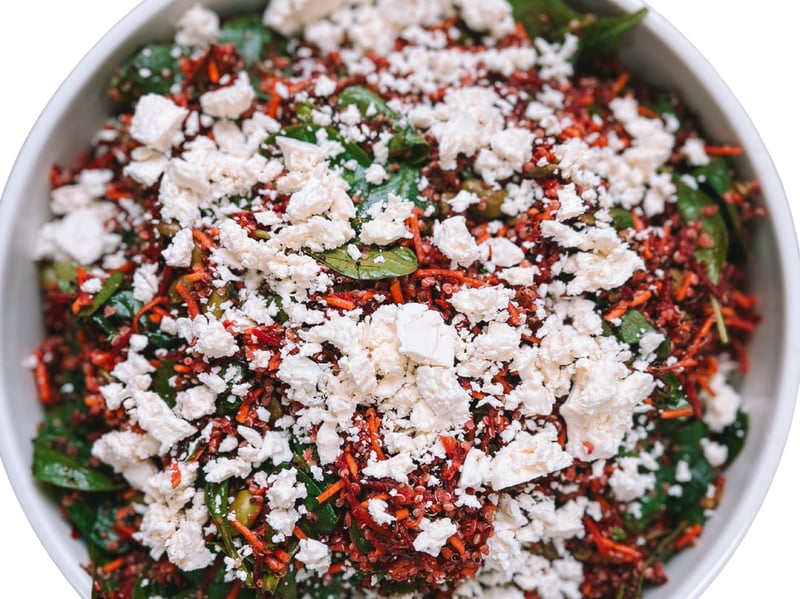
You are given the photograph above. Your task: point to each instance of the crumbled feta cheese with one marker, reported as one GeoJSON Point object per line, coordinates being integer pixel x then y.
{"type": "Point", "coordinates": [229, 102]}
{"type": "Point", "coordinates": [157, 122]}
{"type": "Point", "coordinates": [424, 337]}
{"type": "Point", "coordinates": [433, 535]}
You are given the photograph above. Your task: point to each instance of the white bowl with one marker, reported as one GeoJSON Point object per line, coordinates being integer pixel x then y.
{"type": "Point", "coordinates": [655, 49]}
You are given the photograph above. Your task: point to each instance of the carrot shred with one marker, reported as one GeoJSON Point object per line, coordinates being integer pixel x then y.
{"type": "Point", "coordinates": [678, 413]}
{"type": "Point", "coordinates": [724, 150]}
{"type": "Point", "coordinates": [339, 302]}
{"type": "Point", "coordinates": [186, 296]}
{"type": "Point", "coordinates": [352, 465]}
{"type": "Point", "coordinates": [249, 536]}
{"type": "Point", "coordinates": [112, 565]}
{"type": "Point", "coordinates": [330, 492]}
{"type": "Point", "coordinates": [145, 309]}
{"type": "Point", "coordinates": [620, 83]}
{"type": "Point", "coordinates": [413, 224]}
{"type": "Point", "coordinates": [397, 292]}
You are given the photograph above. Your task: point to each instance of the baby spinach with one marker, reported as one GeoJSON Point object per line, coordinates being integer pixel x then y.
{"type": "Point", "coordinates": [407, 141]}
{"type": "Point", "coordinates": [634, 326]}
{"type": "Point", "coordinates": [600, 37]}
{"type": "Point", "coordinates": [396, 262]}
{"type": "Point", "coordinates": [404, 183]}
{"type": "Point", "coordinates": [325, 515]}
{"type": "Point", "coordinates": [110, 286]}
{"type": "Point", "coordinates": [249, 35]}
{"type": "Point", "coordinates": [152, 70]}
{"type": "Point", "coordinates": [693, 205]}
{"type": "Point", "coordinates": [61, 470]}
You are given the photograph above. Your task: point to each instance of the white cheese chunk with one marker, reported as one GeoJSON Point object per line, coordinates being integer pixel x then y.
{"type": "Point", "coordinates": [424, 336]}
{"type": "Point", "coordinates": [157, 122]}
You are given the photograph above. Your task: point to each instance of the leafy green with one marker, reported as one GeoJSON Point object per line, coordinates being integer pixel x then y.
{"type": "Point", "coordinates": [600, 37]}
{"type": "Point", "coordinates": [733, 437]}
{"type": "Point", "coordinates": [406, 141]}
{"type": "Point", "coordinates": [61, 275]}
{"type": "Point", "coordinates": [634, 326]}
{"type": "Point", "coordinates": [716, 177]}
{"type": "Point", "coordinates": [161, 382]}
{"type": "Point", "coordinates": [325, 516]}
{"type": "Point", "coordinates": [249, 35]}
{"type": "Point", "coordinates": [404, 183]}
{"type": "Point", "coordinates": [396, 262]}
{"type": "Point", "coordinates": [622, 218]}
{"type": "Point", "coordinates": [109, 288]}
{"type": "Point", "coordinates": [152, 70]}
{"type": "Point", "coordinates": [669, 394]}
{"type": "Point", "coordinates": [63, 471]}
{"type": "Point", "coordinates": [692, 205]}
{"type": "Point", "coordinates": [103, 533]}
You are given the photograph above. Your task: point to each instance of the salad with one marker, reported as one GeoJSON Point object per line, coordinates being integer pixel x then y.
{"type": "Point", "coordinates": [392, 299]}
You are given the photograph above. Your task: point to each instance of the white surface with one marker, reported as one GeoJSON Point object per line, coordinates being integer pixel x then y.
{"type": "Point", "coordinates": [748, 48]}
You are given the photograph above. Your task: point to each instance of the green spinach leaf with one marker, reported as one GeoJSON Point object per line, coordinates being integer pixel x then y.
{"type": "Point", "coordinates": [61, 470]}
{"type": "Point", "coordinates": [692, 204]}
{"type": "Point", "coordinates": [249, 35]}
{"type": "Point", "coordinates": [392, 262]}
{"type": "Point", "coordinates": [152, 70]}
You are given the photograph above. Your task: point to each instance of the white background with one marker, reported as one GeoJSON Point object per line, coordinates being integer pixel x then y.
{"type": "Point", "coordinates": [755, 50]}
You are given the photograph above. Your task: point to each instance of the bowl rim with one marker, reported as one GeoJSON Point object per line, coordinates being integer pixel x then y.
{"type": "Point", "coordinates": [17, 462]}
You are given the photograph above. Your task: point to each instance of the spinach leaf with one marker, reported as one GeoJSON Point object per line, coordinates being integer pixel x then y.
{"type": "Point", "coordinates": [600, 37]}
{"type": "Point", "coordinates": [152, 70]}
{"type": "Point", "coordinates": [406, 141]}
{"type": "Point", "coordinates": [249, 35]}
{"type": "Point", "coordinates": [61, 275]}
{"type": "Point", "coordinates": [404, 183]}
{"type": "Point", "coordinates": [326, 517]}
{"type": "Point", "coordinates": [161, 382]}
{"type": "Point", "coordinates": [622, 218]}
{"type": "Point", "coordinates": [691, 205]}
{"type": "Point", "coordinates": [669, 393]}
{"type": "Point", "coordinates": [634, 326]}
{"type": "Point", "coordinates": [733, 437]}
{"type": "Point", "coordinates": [61, 470]}
{"type": "Point", "coordinates": [687, 447]}
{"type": "Point", "coordinates": [104, 534]}
{"type": "Point", "coordinates": [109, 288]}
{"type": "Point", "coordinates": [396, 262]}
{"type": "Point", "coordinates": [716, 176]}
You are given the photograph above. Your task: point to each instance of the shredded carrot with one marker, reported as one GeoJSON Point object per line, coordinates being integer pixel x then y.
{"type": "Point", "coordinates": [186, 296]}
{"type": "Point", "coordinates": [336, 568]}
{"type": "Point", "coordinates": [620, 83]}
{"type": "Point", "coordinates": [686, 283]}
{"type": "Point", "coordinates": [402, 514]}
{"type": "Point", "coordinates": [352, 465]}
{"type": "Point", "coordinates": [145, 309]}
{"type": "Point", "coordinates": [641, 298]}
{"type": "Point", "coordinates": [42, 380]}
{"type": "Point", "coordinates": [202, 238]}
{"type": "Point", "coordinates": [182, 368]}
{"type": "Point", "coordinates": [330, 491]}
{"type": "Point", "coordinates": [282, 555]}
{"type": "Point", "coordinates": [724, 150]}
{"type": "Point", "coordinates": [689, 537]}
{"type": "Point", "coordinates": [373, 423]}
{"type": "Point", "coordinates": [458, 545]}
{"type": "Point", "coordinates": [413, 224]}
{"type": "Point", "coordinates": [617, 311]}
{"type": "Point", "coordinates": [452, 274]}
{"type": "Point", "coordinates": [299, 533]}
{"type": "Point", "coordinates": [175, 475]}
{"type": "Point", "coordinates": [646, 112]}
{"type": "Point", "coordinates": [249, 536]}
{"type": "Point", "coordinates": [339, 302]}
{"type": "Point", "coordinates": [397, 292]}
{"type": "Point", "coordinates": [449, 443]}
{"type": "Point", "coordinates": [513, 319]}
{"type": "Point", "coordinates": [113, 565]}
{"type": "Point", "coordinates": [678, 413]}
